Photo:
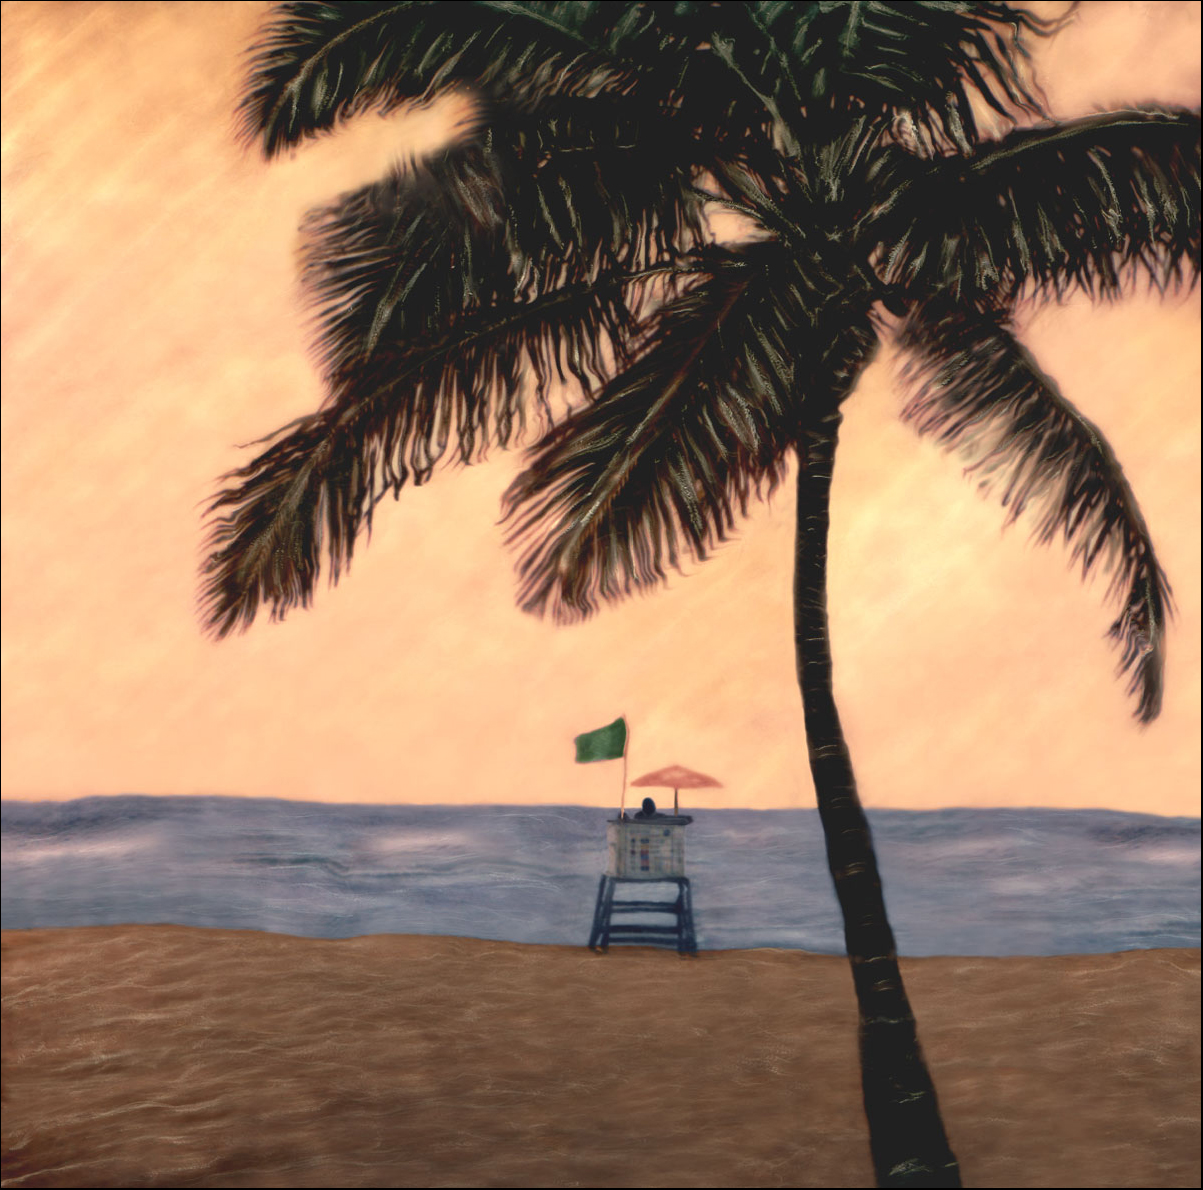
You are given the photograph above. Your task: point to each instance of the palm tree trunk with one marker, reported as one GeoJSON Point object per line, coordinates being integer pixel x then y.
{"type": "Point", "coordinates": [906, 1134]}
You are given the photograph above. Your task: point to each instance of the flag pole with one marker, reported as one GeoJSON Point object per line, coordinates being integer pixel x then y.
{"type": "Point", "coordinates": [626, 740]}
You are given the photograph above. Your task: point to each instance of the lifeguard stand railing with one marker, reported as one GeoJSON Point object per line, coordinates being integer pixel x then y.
{"type": "Point", "coordinates": [645, 850]}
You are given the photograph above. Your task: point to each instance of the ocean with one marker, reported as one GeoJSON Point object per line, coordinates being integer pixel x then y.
{"type": "Point", "coordinates": [957, 882]}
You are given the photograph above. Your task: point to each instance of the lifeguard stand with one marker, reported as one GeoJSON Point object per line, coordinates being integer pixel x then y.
{"type": "Point", "coordinates": [645, 851]}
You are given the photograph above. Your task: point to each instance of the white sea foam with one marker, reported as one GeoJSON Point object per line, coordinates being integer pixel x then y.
{"type": "Point", "coordinates": [423, 840]}
{"type": "Point", "coordinates": [35, 852]}
{"type": "Point", "coordinates": [1169, 854]}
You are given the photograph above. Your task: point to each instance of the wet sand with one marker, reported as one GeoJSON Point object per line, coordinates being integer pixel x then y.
{"type": "Point", "coordinates": [169, 1056]}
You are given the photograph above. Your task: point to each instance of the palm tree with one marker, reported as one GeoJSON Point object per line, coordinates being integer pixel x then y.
{"type": "Point", "coordinates": [565, 238]}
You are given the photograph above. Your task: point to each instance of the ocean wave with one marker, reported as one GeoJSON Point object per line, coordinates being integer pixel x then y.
{"type": "Point", "coordinates": [972, 882]}
{"type": "Point", "coordinates": [36, 851]}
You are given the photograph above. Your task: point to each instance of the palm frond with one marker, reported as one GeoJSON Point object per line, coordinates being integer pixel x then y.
{"type": "Point", "coordinates": [789, 67]}
{"type": "Point", "coordinates": [882, 59]}
{"type": "Point", "coordinates": [980, 390]}
{"type": "Point", "coordinates": [312, 491]}
{"type": "Point", "coordinates": [660, 51]}
{"type": "Point", "coordinates": [530, 204]}
{"type": "Point", "coordinates": [1088, 204]}
{"type": "Point", "coordinates": [745, 67]}
{"type": "Point", "coordinates": [316, 64]}
{"type": "Point", "coordinates": [700, 422]}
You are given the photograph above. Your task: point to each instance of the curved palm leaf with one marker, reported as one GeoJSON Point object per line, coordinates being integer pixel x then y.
{"type": "Point", "coordinates": [533, 203]}
{"type": "Point", "coordinates": [881, 59]}
{"type": "Point", "coordinates": [798, 63]}
{"type": "Point", "coordinates": [316, 64]}
{"type": "Point", "coordinates": [699, 422]}
{"type": "Point", "coordinates": [982, 391]}
{"type": "Point", "coordinates": [715, 66]}
{"type": "Point", "coordinates": [313, 489]}
{"type": "Point", "coordinates": [1085, 204]}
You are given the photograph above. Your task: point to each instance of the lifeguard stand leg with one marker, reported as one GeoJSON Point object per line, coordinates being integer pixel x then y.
{"type": "Point", "coordinates": [683, 932]}
{"type": "Point", "coordinates": [599, 936]}
{"type": "Point", "coordinates": [687, 942]}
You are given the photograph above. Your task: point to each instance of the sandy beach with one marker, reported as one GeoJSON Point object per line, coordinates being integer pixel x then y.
{"type": "Point", "coordinates": [169, 1056]}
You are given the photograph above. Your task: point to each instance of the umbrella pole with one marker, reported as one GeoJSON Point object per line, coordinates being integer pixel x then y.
{"type": "Point", "coordinates": [676, 807]}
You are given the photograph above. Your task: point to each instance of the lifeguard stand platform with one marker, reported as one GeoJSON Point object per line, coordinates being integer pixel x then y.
{"type": "Point", "coordinates": [645, 850]}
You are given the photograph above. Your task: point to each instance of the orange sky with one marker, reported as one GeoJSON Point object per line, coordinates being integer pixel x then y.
{"type": "Point", "coordinates": [151, 321]}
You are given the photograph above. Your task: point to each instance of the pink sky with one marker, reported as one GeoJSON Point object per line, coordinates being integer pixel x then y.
{"type": "Point", "coordinates": [151, 322]}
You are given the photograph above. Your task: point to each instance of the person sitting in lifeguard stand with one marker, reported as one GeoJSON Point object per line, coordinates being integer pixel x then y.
{"type": "Point", "coordinates": [649, 811]}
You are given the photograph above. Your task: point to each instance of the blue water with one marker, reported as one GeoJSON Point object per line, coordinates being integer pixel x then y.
{"type": "Point", "coordinates": [966, 882]}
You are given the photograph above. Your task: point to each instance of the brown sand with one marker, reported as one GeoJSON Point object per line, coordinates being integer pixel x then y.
{"type": "Point", "coordinates": [167, 1056]}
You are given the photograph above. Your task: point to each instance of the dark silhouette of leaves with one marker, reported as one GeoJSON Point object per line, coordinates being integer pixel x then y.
{"type": "Point", "coordinates": [529, 205]}
{"type": "Point", "coordinates": [314, 488]}
{"type": "Point", "coordinates": [1089, 204]}
{"type": "Point", "coordinates": [724, 377]}
{"type": "Point", "coordinates": [981, 391]}
{"type": "Point", "coordinates": [713, 65]}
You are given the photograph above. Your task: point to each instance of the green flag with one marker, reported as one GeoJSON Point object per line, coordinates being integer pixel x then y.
{"type": "Point", "coordinates": [606, 743]}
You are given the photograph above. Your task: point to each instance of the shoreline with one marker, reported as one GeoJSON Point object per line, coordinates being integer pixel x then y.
{"type": "Point", "coordinates": [179, 1056]}
{"type": "Point", "coordinates": [12, 935]}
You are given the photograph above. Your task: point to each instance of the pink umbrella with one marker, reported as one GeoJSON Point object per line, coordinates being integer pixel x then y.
{"type": "Point", "coordinates": [676, 777]}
